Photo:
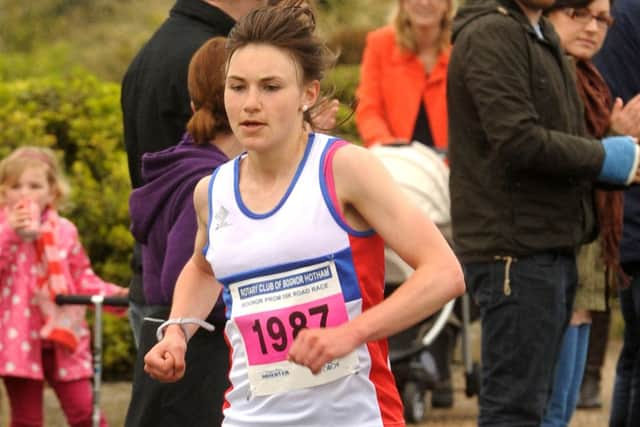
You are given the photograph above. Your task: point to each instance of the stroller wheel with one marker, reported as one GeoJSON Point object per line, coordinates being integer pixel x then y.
{"type": "Point", "coordinates": [414, 402]}
{"type": "Point", "coordinates": [473, 380]}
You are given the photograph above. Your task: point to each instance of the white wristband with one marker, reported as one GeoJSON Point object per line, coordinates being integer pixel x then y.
{"type": "Point", "coordinates": [182, 321]}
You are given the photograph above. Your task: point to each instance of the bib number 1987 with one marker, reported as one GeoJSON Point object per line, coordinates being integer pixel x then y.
{"type": "Point", "coordinates": [268, 312]}
{"type": "Point", "coordinates": [279, 331]}
{"type": "Point", "coordinates": [268, 335]}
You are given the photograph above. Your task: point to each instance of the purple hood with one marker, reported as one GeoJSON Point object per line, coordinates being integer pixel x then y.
{"type": "Point", "coordinates": [163, 217]}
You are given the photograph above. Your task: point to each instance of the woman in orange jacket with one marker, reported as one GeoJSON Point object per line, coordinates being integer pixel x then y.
{"type": "Point", "coordinates": [402, 91]}
{"type": "Point", "coordinates": [402, 98]}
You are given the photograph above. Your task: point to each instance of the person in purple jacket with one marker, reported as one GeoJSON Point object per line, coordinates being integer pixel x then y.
{"type": "Point", "coordinates": [163, 221]}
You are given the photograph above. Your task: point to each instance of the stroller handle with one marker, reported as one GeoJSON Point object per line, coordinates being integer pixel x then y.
{"type": "Point", "coordinates": [98, 302]}
{"type": "Point", "coordinates": [92, 299]}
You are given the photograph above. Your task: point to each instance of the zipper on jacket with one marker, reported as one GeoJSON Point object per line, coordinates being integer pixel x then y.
{"type": "Point", "coordinates": [506, 287]}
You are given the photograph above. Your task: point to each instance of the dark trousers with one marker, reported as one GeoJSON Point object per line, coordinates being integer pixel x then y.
{"type": "Point", "coordinates": [196, 400]}
{"type": "Point", "coordinates": [523, 322]}
{"type": "Point", "coordinates": [625, 407]}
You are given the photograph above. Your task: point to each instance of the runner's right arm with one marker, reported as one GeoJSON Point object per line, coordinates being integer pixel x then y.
{"type": "Point", "coordinates": [195, 294]}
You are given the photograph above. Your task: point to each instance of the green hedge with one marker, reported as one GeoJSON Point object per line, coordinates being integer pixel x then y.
{"type": "Point", "coordinates": [342, 83]}
{"type": "Point", "coordinates": [79, 118]}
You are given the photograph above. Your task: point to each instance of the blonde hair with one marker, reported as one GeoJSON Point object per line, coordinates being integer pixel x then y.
{"type": "Point", "coordinates": [14, 165]}
{"type": "Point", "coordinates": [405, 36]}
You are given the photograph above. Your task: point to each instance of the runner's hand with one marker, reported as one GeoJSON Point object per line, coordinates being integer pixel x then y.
{"type": "Point", "coordinates": [313, 348]}
{"type": "Point", "coordinates": [165, 361]}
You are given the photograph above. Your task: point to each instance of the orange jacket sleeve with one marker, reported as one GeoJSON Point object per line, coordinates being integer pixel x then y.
{"type": "Point", "coordinates": [370, 116]}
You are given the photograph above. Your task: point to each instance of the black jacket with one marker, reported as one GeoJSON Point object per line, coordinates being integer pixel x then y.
{"type": "Point", "coordinates": [521, 176]}
{"type": "Point", "coordinates": [155, 98]}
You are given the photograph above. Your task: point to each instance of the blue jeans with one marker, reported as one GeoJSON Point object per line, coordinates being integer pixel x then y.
{"type": "Point", "coordinates": [523, 322]}
{"type": "Point", "coordinates": [568, 376]}
{"type": "Point", "coordinates": [625, 407]}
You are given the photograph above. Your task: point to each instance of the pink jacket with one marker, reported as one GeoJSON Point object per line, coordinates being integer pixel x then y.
{"type": "Point", "coordinates": [20, 318]}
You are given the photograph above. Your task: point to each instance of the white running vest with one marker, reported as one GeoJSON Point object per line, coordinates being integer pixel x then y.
{"type": "Point", "coordinates": [299, 265]}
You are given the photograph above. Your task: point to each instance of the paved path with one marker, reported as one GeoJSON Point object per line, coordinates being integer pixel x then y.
{"type": "Point", "coordinates": [465, 410]}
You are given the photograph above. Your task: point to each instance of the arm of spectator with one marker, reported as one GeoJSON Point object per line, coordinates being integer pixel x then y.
{"type": "Point", "coordinates": [620, 165]}
{"type": "Point", "coordinates": [498, 76]}
{"type": "Point", "coordinates": [85, 280]}
{"type": "Point", "coordinates": [625, 119]}
{"type": "Point", "coordinates": [370, 117]}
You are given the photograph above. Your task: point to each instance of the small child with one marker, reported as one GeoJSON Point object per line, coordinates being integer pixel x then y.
{"type": "Point", "coordinates": [41, 256]}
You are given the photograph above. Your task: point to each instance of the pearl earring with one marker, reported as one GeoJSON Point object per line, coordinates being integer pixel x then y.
{"type": "Point", "coordinates": [305, 108]}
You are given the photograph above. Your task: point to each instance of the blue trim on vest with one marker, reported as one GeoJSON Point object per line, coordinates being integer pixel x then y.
{"type": "Point", "coordinates": [236, 184]}
{"type": "Point", "coordinates": [226, 298]}
{"type": "Point", "coordinates": [347, 274]}
{"type": "Point", "coordinates": [327, 197]}
{"type": "Point", "coordinates": [209, 199]}
{"type": "Point", "coordinates": [344, 267]}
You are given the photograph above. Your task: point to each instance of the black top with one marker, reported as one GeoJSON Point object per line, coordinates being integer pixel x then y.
{"type": "Point", "coordinates": [422, 130]}
{"type": "Point", "coordinates": [155, 100]}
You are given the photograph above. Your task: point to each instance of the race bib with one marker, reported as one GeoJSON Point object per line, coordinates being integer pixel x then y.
{"type": "Point", "coordinates": [269, 312]}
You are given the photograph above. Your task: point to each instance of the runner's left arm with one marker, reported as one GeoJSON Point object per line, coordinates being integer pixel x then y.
{"type": "Point", "coordinates": [370, 198]}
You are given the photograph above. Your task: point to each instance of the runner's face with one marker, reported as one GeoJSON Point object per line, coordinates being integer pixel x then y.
{"type": "Point", "coordinates": [264, 97]}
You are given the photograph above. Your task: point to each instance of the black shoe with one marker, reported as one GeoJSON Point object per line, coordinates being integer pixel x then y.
{"type": "Point", "coordinates": [442, 395]}
{"type": "Point", "coordinates": [589, 393]}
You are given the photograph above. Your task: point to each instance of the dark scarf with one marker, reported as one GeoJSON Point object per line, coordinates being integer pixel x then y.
{"type": "Point", "coordinates": [609, 204]}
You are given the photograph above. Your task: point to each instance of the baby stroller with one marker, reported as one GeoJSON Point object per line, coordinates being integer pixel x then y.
{"type": "Point", "coordinates": [424, 177]}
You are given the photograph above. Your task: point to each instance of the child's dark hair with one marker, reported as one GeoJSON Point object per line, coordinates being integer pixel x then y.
{"type": "Point", "coordinates": [290, 25]}
{"type": "Point", "coordinates": [206, 89]}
